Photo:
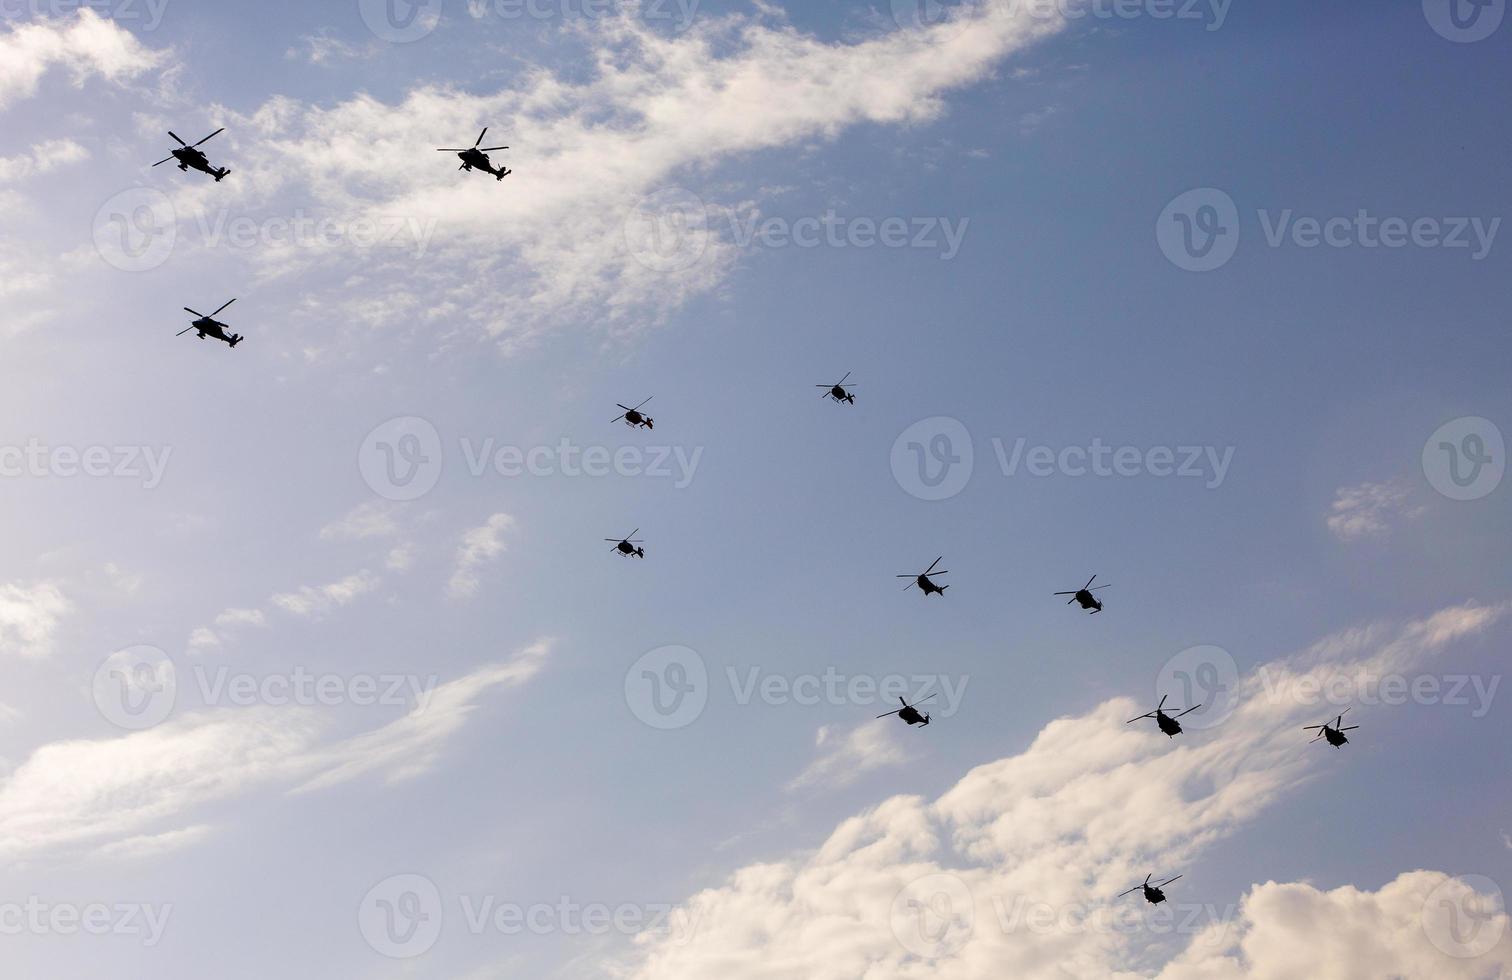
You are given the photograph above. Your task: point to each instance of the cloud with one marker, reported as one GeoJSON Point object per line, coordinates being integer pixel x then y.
{"type": "Point", "coordinates": [40, 159]}
{"type": "Point", "coordinates": [1370, 509]}
{"type": "Point", "coordinates": [311, 600]}
{"type": "Point", "coordinates": [1089, 808]}
{"type": "Point", "coordinates": [86, 45]}
{"type": "Point", "coordinates": [370, 520]}
{"type": "Point", "coordinates": [480, 545]}
{"type": "Point", "coordinates": [29, 617]}
{"type": "Point", "coordinates": [598, 161]}
{"type": "Point", "coordinates": [241, 617]}
{"type": "Point", "coordinates": [114, 794]}
{"type": "Point", "coordinates": [322, 48]}
{"type": "Point", "coordinates": [845, 758]}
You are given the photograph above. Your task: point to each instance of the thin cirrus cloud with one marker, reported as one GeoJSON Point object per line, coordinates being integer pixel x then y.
{"type": "Point", "coordinates": [593, 160]}
{"type": "Point", "coordinates": [480, 546]}
{"type": "Point", "coordinates": [1369, 510]}
{"type": "Point", "coordinates": [845, 756]}
{"type": "Point", "coordinates": [1102, 798]}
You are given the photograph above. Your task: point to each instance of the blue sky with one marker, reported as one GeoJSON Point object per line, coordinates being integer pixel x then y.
{"type": "Point", "coordinates": [517, 314]}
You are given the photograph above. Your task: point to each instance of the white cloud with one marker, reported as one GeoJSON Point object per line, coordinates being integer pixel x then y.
{"type": "Point", "coordinates": [40, 159]}
{"type": "Point", "coordinates": [480, 545]}
{"type": "Point", "coordinates": [322, 48]}
{"type": "Point", "coordinates": [370, 520]}
{"type": "Point", "coordinates": [85, 45]}
{"type": "Point", "coordinates": [845, 757]}
{"type": "Point", "coordinates": [29, 617]}
{"type": "Point", "coordinates": [1088, 809]}
{"type": "Point", "coordinates": [115, 794]}
{"type": "Point", "coordinates": [311, 600]}
{"type": "Point", "coordinates": [241, 617]}
{"type": "Point", "coordinates": [1369, 509]}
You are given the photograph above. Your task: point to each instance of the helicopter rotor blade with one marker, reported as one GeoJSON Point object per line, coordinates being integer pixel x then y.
{"type": "Point", "coordinates": [933, 564]}
{"type": "Point", "coordinates": [225, 304]}
{"type": "Point", "coordinates": [1089, 581]}
{"type": "Point", "coordinates": [451, 149]}
{"type": "Point", "coordinates": [1129, 892]}
{"type": "Point", "coordinates": [1308, 728]}
{"type": "Point", "coordinates": [1072, 599]}
{"type": "Point", "coordinates": [893, 712]}
{"type": "Point", "coordinates": [216, 133]}
{"type": "Point", "coordinates": [480, 137]}
{"type": "Point", "coordinates": [1189, 710]}
{"type": "Point", "coordinates": [490, 149]}
{"type": "Point", "coordinates": [1140, 718]}
{"type": "Point", "coordinates": [1162, 702]}
{"type": "Point", "coordinates": [638, 407]}
{"type": "Point", "coordinates": [184, 331]}
{"type": "Point", "coordinates": [195, 312]}
{"type": "Point", "coordinates": [1167, 881]}
{"type": "Point", "coordinates": [1066, 593]}
{"type": "Point", "coordinates": [1109, 585]}
{"type": "Point", "coordinates": [176, 139]}
{"type": "Point", "coordinates": [842, 380]}
{"type": "Point", "coordinates": [1349, 729]}
{"type": "Point", "coordinates": [164, 160]}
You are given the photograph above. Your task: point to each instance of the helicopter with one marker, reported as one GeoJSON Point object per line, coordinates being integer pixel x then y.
{"type": "Point", "coordinates": [1084, 596]}
{"type": "Point", "coordinates": [188, 156]}
{"type": "Point", "coordinates": [626, 546]}
{"type": "Point", "coordinates": [909, 712]}
{"type": "Point", "coordinates": [1167, 723]}
{"type": "Point", "coordinates": [1334, 733]}
{"type": "Point", "coordinates": [923, 582]}
{"type": "Point", "coordinates": [208, 326]}
{"type": "Point", "coordinates": [477, 157]}
{"type": "Point", "coordinates": [837, 391]}
{"type": "Point", "coordinates": [1152, 893]}
{"type": "Point", "coordinates": [633, 417]}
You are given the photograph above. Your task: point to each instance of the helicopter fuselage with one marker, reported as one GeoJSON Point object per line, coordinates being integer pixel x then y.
{"type": "Point", "coordinates": [1154, 895]}
{"type": "Point", "coordinates": [1167, 724]}
{"type": "Point", "coordinates": [839, 394]}
{"type": "Point", "coordinates": [629, 550]}
{"type": "Point", "coordinates": [475, 159]}
{"type": "Point", "coordinates": [913, 717]}
{"type": "Point", "coordinates": [206, 327]}
{"type": "Point", "coordinates": [635, 419]}
{"type": "Point", "coordinates": [929, 587]}
{"type": "Point", "coordinates": [188, 157]}
{"type": "Point", "coordinates": [1335, 737]}
{"type": "Point", "coordinates": [1088, 601]}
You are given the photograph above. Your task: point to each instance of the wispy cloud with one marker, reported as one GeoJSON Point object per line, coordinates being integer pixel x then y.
{"type": "Point", "coordinates": [1370, 509]}
{"type": "Point", "coordinates": [29, 618]}
{"type": "Point", "coordinates": [844, 757]}
{"type": "Point", "coordinates": [480, 545]}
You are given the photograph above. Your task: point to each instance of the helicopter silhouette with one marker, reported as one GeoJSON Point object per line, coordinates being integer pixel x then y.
{"type": "Point", "coordinates": [1152, 893]}
{"type": "Point", "coordinates": [1167, 723]}
{"type": "Point", "coordinates": [189, 156]}
{"type": "Point", "coordinates": [626, 546]}
{"type": "Point", "coordinates": [1334, 733]}
{"type": "Point", "coordinates": [909, 712]}
{"type": "Point", "coordinates": [208, 326]}
{"type": "Point", "coordinates": [633, 417]}
{"type": "Point", "coordinates": [836, 392]}
{"type": "Point", "coordinates": [476, 158]}
{"type": "Point", "coordinates": [1084, 596]}
{"type": "Point", "coordinates": [922, 580]}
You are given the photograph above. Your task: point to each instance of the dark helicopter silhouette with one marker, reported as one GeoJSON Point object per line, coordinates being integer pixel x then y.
{"type": "Point", "coordinates": [1152, 893]}
{"type": "Point", "coordinates": [1334, 733]}
{"type": "Point", "coordinates": [837, 391]}
{"type": "Point", "coordinates": [476, 157]}
{"type": "Point", "coordinates": [626, 546]}
{"type": "Point", "coordinates": [633, 417]}
{"type": "Point", "coordinates": [909, 713]}
{"type": "Point", "coordinates": [923, 582]}
{"type": "Point", "coordinates": [208, 326]}
{"type": "Point", "coordinates": [188, 156]}
{"type": "Point", "coordinates": [1084, 596]}
{"type": "Point", "coordinates": [1167, 723]}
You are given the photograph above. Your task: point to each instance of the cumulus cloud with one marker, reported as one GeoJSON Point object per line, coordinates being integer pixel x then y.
{"type": "Point", "coordinates": [1370, 509]}
{"type": "Point", "coordinates": [915, 888]}
{"type": "Point", "coordinates": [480, 545]}
{"type": "Point", "coordinates": [86, 45]}
{"type": "Point", "coordinates": [115, 794]}
{"type": "Point", "coordinates": [29, 618]}
{"type": "Point", "coordinates": [43, 158]}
